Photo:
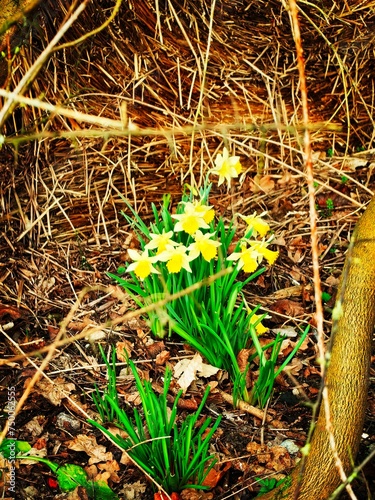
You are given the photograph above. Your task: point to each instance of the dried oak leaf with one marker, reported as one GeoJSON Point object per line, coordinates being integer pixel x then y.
{"type": "Point", "coordinates": [111, 467]}
{"type": "Point", "coordinates": [288, 308]}
{"type": "Point", "coordinates": [56, 390]}
{"type": "Point", "coordinates": [88, 444]}
{"type": "Point", "coordinates": [214, 476]}
{"type": "Point", "coordinates": [124, 350]}
{"type": "Point", "coordinates": [263, 183]}
{"type": "Point", "coordinates": [186, 370]}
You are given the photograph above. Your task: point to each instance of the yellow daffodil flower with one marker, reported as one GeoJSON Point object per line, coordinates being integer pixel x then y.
{"type": "Point", "coordinates": [261, 248]}
{"type": "Point", "coordinates": [160, 241]}
{"type": "Point", "coordinates": [257, 224]}
{"type": "Point", "coordinates": [142, 265]}
{"type": "Point", "coordinates": [204, 245]}
{"type": "Point", "coordinates": [176, 258]}
{"type": "Point", "coordinates": [259, 328]}
{"type": "Point", "coordinates": [208, 213]}
{"type": "Point", "coordinates": [191, 220]}
{"type": "Point", "coordinates": [247, 258]}
{"type": "Point", "coordinates": [226, 167]}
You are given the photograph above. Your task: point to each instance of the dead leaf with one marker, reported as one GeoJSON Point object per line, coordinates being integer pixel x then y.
{"type": "Point", "coordinates": [88, 444]}
{"type": "Point", "coordinates": [280, 459]}
{"type": "Point", "coordinates": [299, 242]}
{"type": "Point", "coordinates": [288, 308]}
{"type": "Point", "coordinates": [40, 444]}
{"type": "Point", "coordinates": [286, 179]}
{"type": "Point", "coordinates": [35, 426]}
{"type": "Point", "coordinates": [35, 452]}
{"type": "Point", "coordinates": [55, 391]}
{"type": "Point", "coordinates": [332, 281]}
{"type": "Point", "coordinates": [243, 358]}
{"type": "Point", "coordinates": [53, 331]}
{"type": "Point", "coordinates": [287, 331]}
{"type": "Point", "coordinates": [133, 491]}
{"type": "Point", "coordinates": [297, 256]}
{"type": "Point", "coordinates": [91, 471]}
{"type": "Point", "coordinates": [263, 183]}
{"type": "Point", "coordinates": [78, 326]}
{"type": "Point", "coordinates": [294, 367]}
{"type": "Point", "coordinates": [124, 350]}
{"type": "Point", "coordinates": [111, 467]}
{"type": "Point", "coordinates": [133, 399]}
{"type": "Point", "coordinates": [162, 358]}
{"type": "Point", "coordinates": [11, 311]}
{"type": "Point", "coordinates": [214, 476]}
{"type": "Point", "coordinates": [79, 493]}
{"type": "Point", "coordinates": [187, 369]}
{"type": "Point", "coordinates": [190, 494]}
{"type": "Point", "coordinates": [155, 348]}
{"type": "Point", "coordinates": [187, 404]}
{"type": "Point", "coordinates": [281, 381]}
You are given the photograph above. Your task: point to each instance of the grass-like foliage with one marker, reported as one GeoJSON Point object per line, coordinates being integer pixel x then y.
{"type": "Point", "coordinates": [174, 454]}
{"type": "Point", "coordinates": [193, 247]}
{"type": "Point", "coordinates": [268, 372]}
{"type": "Point", "coordinates": [106, 411]}
{"type": "Point", "coordinates": [188, 247]}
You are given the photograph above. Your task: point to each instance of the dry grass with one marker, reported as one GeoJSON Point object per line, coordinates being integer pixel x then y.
{"type": "Point", "coordinates": [164, 67]}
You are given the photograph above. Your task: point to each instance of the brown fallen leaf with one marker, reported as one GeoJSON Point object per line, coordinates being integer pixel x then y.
{"type": "Point", "coordinates": [133, 491]}
{"type": "Point", "coordinates": [162, 358]}
{"type": "Point", "coordinates": [79, 493]}
{"type": "Point", "coordinates": [190, 494]}
{"type": "Point", "coordinates": [11, 311]}
{"type": "Point", "coordinates": [155, 348]}
{"type": "Point", "coordinates": [112, 467]}
{"type": "Point", "coordinates": [288, 308]}
{"type": "Point", "coordinates": [242, 360]}
{"type": "Point", "coordinates": [88, 444]}
{"type": "Point", "coordinates": [124, 350]}
{"type": "Point", "coordinates": [214, 476]}
{"type": "Point", "coordinates": [56, 390]}
{"type": "Point", "coordinates": [186, 370]}
{"type": "Point", "coordinates": [263, 183]}
{"type": "Point", "coordinates": [280, 459]}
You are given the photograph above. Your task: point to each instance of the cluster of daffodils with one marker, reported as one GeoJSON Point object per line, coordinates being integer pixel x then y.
{"type": "Point", "coordinates": [196, 218]}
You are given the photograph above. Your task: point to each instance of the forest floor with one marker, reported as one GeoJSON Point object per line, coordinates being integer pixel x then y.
{"type": "Point", "coordinates": [247, 448]}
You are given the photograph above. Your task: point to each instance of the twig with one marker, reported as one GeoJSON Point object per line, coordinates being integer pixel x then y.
{"type": "Point", "coordinates": [36, 67]}
{"type": "Point", "coordinates": [314, 243]}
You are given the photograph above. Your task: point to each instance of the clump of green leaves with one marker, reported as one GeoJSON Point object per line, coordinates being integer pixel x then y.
{"type": "Point", "coordinates": [69, 476]}
{"type": "Point", "coordinates": [193, 248]}
{"type": "Point", "coordinates": [268, 370]}
{"type": "Point", "coordinates": [106, 411]}
{"type": "Point", "coordinates": [176, 455]}
{"type": "Point", "coordinates": [269, 484]}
